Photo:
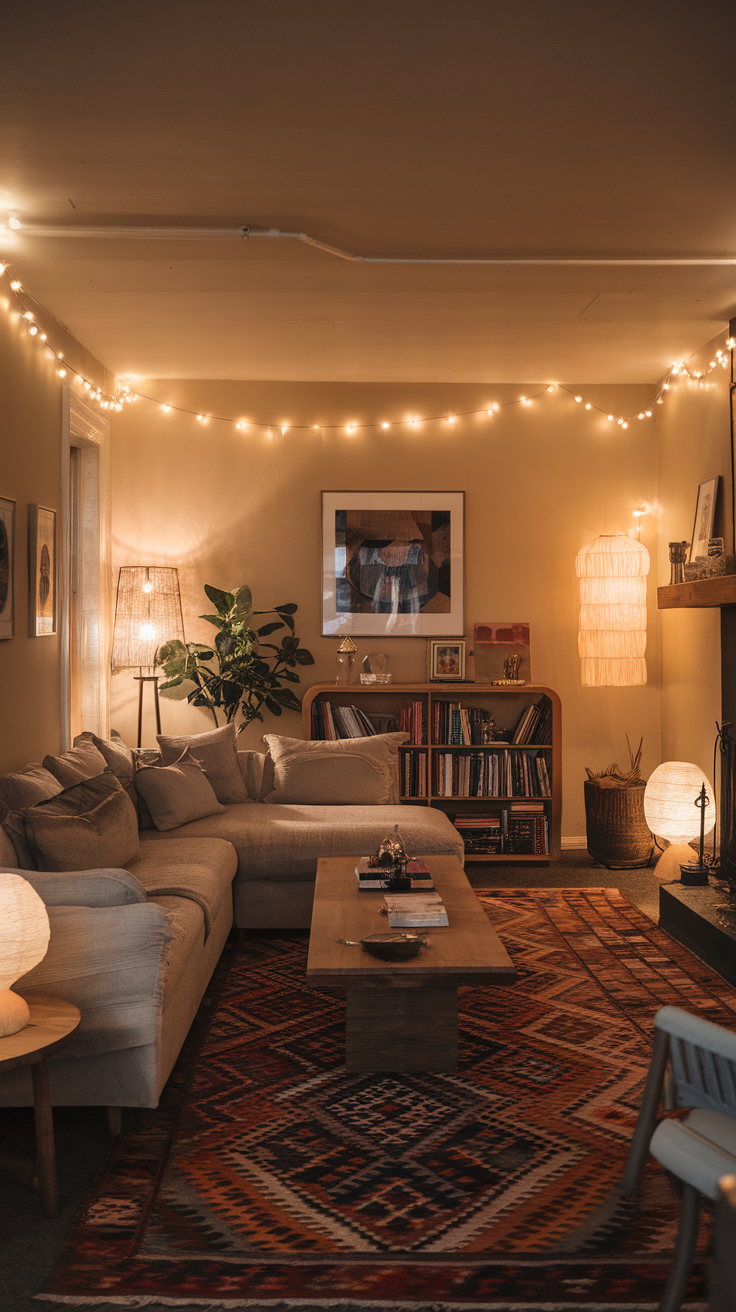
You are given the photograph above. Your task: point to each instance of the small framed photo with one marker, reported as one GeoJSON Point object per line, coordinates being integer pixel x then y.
{"type": "Point", "coordinates": [7, 568]}
{"type": "Point", "coordinates": [446, 660]}
{"type": "Point", "coordinates": [42, 571]}
{"type": "Point", "coordinates": [705, 513]}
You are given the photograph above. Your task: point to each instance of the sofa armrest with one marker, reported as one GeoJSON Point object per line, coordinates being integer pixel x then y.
{"type": "Point", "coordinates": [83, 888]}
{"type": "Point", "coordinates": [110, 962]}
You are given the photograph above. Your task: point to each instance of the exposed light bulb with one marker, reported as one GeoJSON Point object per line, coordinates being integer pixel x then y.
{"type": "Point", "coordinates": [624, 424]}
{"type": "Point", "coordinates": [712, 364]}
{"type": "Point", "coordinates": [15, 286]}
{"type": "Point", "coordinates": [660, 401]}
{"type": "Point", "coordinates": [648, 414]}
{"type": "Point", "coordinates": [43, 337]}
{"type": "Point", "coordinates": [384, 424]}
{"type": "Point", "coordinates": [2, 270]}
{"type": "Point", "coordinates": [87, 385]}
{"type": "Point", "coordinates": [350, 428]}
{"type": "Point", "coordinates": [451, 419]}
{"type": "Point", "coordinates": [33, 330]}
{"type": "Point", "coordinates": [551, 388]}
{"type": "Point", "coordinates": [414, 422]}
{"type": "Point", "coordinates": [610, 419]}
{"type": "Point", "coordinates": [619, 421]}
{"type": "Point", "coordinates": [166, 408]}
{"type": "Point", "coordinates": [200, 418]}
{"type": "Point", "coordinates": [13, 220]}
{"type": "Point", "coordinates": [578, 398]}
{"type": "Point", "coordinates": [640, 415]}
{"type": "Point", "coordinates": [61, 373]}
{"type": "Point", "coordinates": [283, 428]}
{"type": "Point", "coordinates": [148, 586]}
{"type": "Point", "coordinates": [665, 387]}
{"type": "Point", "coordinates": [147, 631]}
{"type": "Point", "coordinates": [315, 427]}
{"type": "Point", "coordinates": [588, 406]}
{"type": "Point", "coordinates": [27, 315]}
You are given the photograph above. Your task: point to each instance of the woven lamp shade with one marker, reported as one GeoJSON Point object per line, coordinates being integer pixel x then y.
{"type": "Point", "coordinates": [147, 614]}
{"type": "Point", "coordinates": [612, 635]}
{"type": "Point", "coordinates": [669, 801]}
{"type": "Point", "coordinates": [24, 938]}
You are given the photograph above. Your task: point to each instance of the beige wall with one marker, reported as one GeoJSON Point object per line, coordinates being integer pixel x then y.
{"type": "Point", "coordinates": [229, 508]}
{"type": "Point", "coordinates": [693, 432]}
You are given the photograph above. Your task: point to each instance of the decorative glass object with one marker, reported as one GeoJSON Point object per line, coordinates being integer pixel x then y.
{"type": "Point", "coordinates": [612, 638]}
{"type": "Point", "coordinates": [345, 658]}
{"type": "Point", "coordinates": [374, 669]}
{"type": "Point", "coordinates": [24, 938]}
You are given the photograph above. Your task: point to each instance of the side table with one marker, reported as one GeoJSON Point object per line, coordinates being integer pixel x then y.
{"type": "Point", "coordinates": [51, 1025]}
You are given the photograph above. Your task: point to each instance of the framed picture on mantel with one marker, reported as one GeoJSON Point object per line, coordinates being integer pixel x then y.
{"type": "Point", "coordinates": [705, 513]}
{"type": "Point", "coordinates": [393, 564]}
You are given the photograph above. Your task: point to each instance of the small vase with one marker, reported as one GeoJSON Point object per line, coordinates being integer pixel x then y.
{"type": "Point", "coordinates": [345, 659]}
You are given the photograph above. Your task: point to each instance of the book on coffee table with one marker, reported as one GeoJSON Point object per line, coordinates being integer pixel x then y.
{"type": "Point", "coordinates": [416, 911]}
{"type": "Point", "coordinates": [370, 877]}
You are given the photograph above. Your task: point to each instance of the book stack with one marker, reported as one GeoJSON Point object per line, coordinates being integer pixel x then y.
{"type": "Point", "coordinates": [535, 723]}
{"type": "Point", "coordinates": [491, 774]}
{"type": "Point", "coordinates": [369, 877]}
{"type": "Point", "coordinates": [330, 722]}
{"type": "Point", "coordinates": [413, 720]}
{"type": "Point", "coordinates": [413, 774]}
{"type": "Point", "coordinates": [481, 834]}
{"type": "Point", "coordinates": [416, 911]}
{"type": "Point", "coordinates": [527, 829]}
{"type": "Point", "coordinates": [458, 726]}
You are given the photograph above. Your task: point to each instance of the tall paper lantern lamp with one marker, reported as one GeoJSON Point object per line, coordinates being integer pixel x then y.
{"type": "Point", "coordinates": [24, 938]}
{"type": "Point", "coordinates": [612, 637]}
{"type": "Point", "coordinates": [671, 813]}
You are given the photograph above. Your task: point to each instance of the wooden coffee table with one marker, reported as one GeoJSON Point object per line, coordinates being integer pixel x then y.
{"type": "Point", "coordinates": [401, 1016]}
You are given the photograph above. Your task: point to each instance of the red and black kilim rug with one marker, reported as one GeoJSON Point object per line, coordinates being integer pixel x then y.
{"type": "Point", "coordinates": [268, 1177]}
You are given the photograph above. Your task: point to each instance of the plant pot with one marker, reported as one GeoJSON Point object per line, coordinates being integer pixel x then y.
{"type": "Point", "coordinates": [618, 835]}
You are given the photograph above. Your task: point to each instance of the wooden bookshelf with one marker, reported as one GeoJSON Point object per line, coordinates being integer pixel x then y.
{"type": "Point", "coordinates": [504, 703]}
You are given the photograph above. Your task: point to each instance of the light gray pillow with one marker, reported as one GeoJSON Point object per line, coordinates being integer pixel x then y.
{"type": "Point", "coordinates": [28, 786]}
{"type": "Point", "coordinates": [217, 754]}
{"type": "Point", "coordinates": [90, 826]}
{"type": "Point", "coordinates": [178, 793]}
{"type": "Point", "coordinates": [346, 772]}
{"type": "Point", "coordinates": [83, 761]}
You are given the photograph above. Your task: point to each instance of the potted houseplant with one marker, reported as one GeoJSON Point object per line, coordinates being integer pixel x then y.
{"type": "Point", "coordinates": [240, 670]}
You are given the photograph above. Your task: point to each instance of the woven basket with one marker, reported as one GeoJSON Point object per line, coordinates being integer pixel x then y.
{"type": "Point", "coordinates": [618, 834]}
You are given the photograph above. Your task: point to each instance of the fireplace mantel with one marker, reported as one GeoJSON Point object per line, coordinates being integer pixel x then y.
{"type": "Point", "coordinates": [713, 592]}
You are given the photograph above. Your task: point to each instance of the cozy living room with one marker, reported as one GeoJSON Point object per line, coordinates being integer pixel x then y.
{"type": "Point", "coordinates": [368, 655]}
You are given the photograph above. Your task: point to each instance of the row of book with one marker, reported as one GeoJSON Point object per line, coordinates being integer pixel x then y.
{"type": "Point", "coordinates": [413, 767]}
{"type": "Point", "coordinates": [490, 774]}
{"type": "Point", "coordinates": [331, 722]}
{"type": "Point", "coordinates": [535, 723]}
{"type": "Point", "coordinates": [522, 829]}
{"type": "Point", "coordinates": [461, 726]}
{"type": "Point", "coordinates": [413, 720]}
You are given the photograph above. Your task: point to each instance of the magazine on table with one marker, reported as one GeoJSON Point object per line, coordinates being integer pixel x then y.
{"type": "Point", "coordinates": [416, 911]}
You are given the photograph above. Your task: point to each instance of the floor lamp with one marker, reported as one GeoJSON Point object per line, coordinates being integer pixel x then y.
{"type": "Point", "coordinates": [147, 614]}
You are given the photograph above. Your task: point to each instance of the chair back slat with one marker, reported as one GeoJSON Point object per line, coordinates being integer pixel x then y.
{"type": "Point", "coordinates": [702, 1078]}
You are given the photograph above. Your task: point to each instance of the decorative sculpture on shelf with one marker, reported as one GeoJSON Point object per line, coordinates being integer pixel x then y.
{"type": "Point", "coordinates": [345, 658]}
{"type": "Point", "coordinates": [678, 552]}
{"type": "Point", "coordinates": [392, 858]}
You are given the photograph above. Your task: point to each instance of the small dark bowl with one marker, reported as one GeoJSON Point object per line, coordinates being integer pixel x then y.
{"type": "Point", "coordinates": [393, 947]}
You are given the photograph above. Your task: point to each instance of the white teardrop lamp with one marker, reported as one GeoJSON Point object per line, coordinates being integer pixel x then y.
{"type": "Point", "coordinates": [24, 938]}
{"type": "Point", "coordinates": [672, 811]}
{"type": "Point", "coordinates": [612, 637]}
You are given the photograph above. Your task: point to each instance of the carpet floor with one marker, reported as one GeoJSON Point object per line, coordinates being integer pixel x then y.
{"type": "Point", "coordinates": [268, 1177]}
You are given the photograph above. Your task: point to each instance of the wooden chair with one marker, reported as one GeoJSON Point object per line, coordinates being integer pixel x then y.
{"type": "Point", "coordinates": [699, 1060]}
{"type": "Point", "coordinates": [723, 1267]}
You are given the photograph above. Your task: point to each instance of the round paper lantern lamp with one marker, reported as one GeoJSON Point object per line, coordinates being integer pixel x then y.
{"type": "Point", "coordinates": [671, 813]}
{"type": "Point", "coordinates": [24, 938]}
{"type": "Point", "coordinates": [612, 635]}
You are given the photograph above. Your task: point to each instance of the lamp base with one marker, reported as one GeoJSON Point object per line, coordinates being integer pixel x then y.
{"type": "Point", "coordinates": [676, 855]}
{"type": "Point", "coordinates": [14, 1013]}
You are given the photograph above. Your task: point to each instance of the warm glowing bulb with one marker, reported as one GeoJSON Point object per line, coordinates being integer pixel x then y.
{"type": "Point", "coordinates": [283, 428]}
{"type": "Point", "coordinates": [200, 418]}
{"type": "Point", "coordinates": [148, 586]}
{"type": "Point", "coordinates": [350, 428]}
{"type": "Point", "coordinates": [61, 373]}
{"type": "Point", "coordinates": [578, 398]}
{"type": "Point", "coordinates": [2, 270]}
{"type": "Point", "coordinates": [731, 342]}
{"type": "Point", "coordinates": [87, 385]}
{"type": "Point", "coordinates": [648, 414]}
{"type": "Point", "coordinates": [619, 421]}
{"type": "Point", "coordinates": [450, 419]}
{"type": "Point", "coordinates": [27, 315]}
{"type": "Point", "coordinates": [384, 424]}
{"type": "Point", "coordinates": [640, 415]}
{"type": "Point", "coordinates": [414, 422]}
{"type": "Point", "coordinates": [13, 220]}
{"type": "Point", "coordinates": [147, 631]}
{"type": "Point", "coordinates": [241, 424]}
{"type": "Point", "coordinates": [551, 388]}
{"type": "Point", "coordinates": [43, 337]}
{"type": "Point", "coordinates": [33, 330]}
{"type": "Point", "coordinates": [665, 387]}
{"type": "Point", "coordinates": [624, 424]}
{"type": "Point", "coordinates": [15, 286]}
{"type": "Point", "coordinates": [697, 374]}
{"type": "Point", "coordinates": [315, 427]}
{"type": "Point", "coordinates": [166, 408]}
{"type": "Point", "coordinates": [588, 406]}
{"type": "Point", "coordinates": [610, 419]}
{"type": "Point", "coordinates": [712, 364]}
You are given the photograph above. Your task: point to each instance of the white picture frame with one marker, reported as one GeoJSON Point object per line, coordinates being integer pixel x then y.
{"type": "Point", "coordinates": [446, 660]}
{"type": "Point", "coordinates": [705, 514]}
{"type": "Point", "coordinates": [393, 564]}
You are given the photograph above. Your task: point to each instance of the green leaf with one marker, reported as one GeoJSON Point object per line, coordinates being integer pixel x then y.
{"type": "Point", "coordinates": [214, 619]}
{"type": "Point", "coordinates": [289, 674]}
{"type": "Point", "coordinates": [269, 628]}
{"type": "Point", "coordinates": [291, 609]}
{"type": "Point", "coordinates": [224, 643]}
{"type": "Point", "coordinates": [273, 706]}
{"type": "Point", "coordinates": [243, 602]}
{"type": "Point", "coordinates": [223, 602]}
{"type": "Point", "coordinates": [304, 657]}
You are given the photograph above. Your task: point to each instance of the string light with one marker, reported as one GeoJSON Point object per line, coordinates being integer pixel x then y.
{"type": "Point", "coordinates": [116, 401]}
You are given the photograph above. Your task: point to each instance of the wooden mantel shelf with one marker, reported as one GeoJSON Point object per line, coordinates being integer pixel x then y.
{"type": "Point", "coordinates": [719, 591]}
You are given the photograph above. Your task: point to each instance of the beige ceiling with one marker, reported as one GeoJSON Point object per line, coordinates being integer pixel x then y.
{"type": "Point", "coordinates": [411, 128]}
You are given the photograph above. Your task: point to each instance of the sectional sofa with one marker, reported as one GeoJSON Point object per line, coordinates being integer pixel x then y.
{"type": "Point", "coordinates": [134, 942]}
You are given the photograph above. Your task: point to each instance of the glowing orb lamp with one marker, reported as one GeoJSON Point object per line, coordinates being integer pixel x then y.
{"type": "Point", "coordinates": [24, 938]}
{"type": "Point", "coordinates": [671, 813]}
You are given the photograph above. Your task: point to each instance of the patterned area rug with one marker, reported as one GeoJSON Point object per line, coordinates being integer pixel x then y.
{"type": "Point", "coordinates": [268, 1177]}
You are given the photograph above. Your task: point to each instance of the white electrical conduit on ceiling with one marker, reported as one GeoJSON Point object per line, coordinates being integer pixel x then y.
{"type": "Point", "coordinates": [245, 232]}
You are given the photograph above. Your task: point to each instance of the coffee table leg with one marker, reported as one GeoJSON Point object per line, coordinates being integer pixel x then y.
{"type": "Point", "coordinates": [45, 1148]}
{"type": "Point", "coordinates": [401, 1029]}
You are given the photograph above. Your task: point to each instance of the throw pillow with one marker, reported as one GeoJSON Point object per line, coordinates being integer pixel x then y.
{"type": "Point", "coordinates": [82, 761]}
{"type": "Point", "coordinates": [257, 771]}
{"type": "Point", "coordinates": [30, 785]}
{"type": "Point", "coordinates": [91, 825]}
{"type": "Point", "coordinates": [348, 772]}
{"type": "Point", "coordinates": [117, 756]}
{"type": "Point", "coordinates": [178, 793]}
{"type": "Point", "coordinates": [216, 753]}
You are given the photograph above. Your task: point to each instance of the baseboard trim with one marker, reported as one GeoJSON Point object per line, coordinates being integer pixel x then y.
{"type": "Point", "coordinates": [576, 841]}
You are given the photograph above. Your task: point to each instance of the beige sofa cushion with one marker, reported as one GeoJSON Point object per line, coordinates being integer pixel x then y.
{"type": "Point", "coordinates": [85, 888]}
{"type": "Point", "coordinates": [216, 752]}
{"type": "Point", "coordinates": [28, 786]}
{"type": "Point", "coordinates": [198, 869]}
{"type": "Point", "coordinates": [348, 772]}
{"type": "Point", "coordinates": [175, 794]}
{"type": "Point", "coordinates": [83, 761]}
{"type": "Point", "coordinates": [88, 826]}
{"type": "Point", "coordinates": [284, 842]}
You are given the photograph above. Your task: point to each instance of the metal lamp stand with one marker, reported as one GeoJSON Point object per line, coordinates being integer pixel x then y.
{"type": "Point", "coordinates": [141, 679]}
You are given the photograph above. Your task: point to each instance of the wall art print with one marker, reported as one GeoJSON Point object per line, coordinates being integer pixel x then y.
{"type": "Point", "coordinates": [393, 563]}
{"type": "Point", "coordinates": [7, 567]}
{"type": "Point", "coordinates": [705, 514]}
{"type": "Point", "coordinates": [42, 571]}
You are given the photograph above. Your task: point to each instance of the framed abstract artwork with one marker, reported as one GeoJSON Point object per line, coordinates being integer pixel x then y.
{"type": "Point", "coordinates": [446, 660]}
{"type": "Point", "coordinates": [41, 571]}
{"type": "Point", "coordinates": [705, 513]}
{"type": "Point", "coordinates": [393, 564]}
{"type": "Point", "coordinates": [7, 567]}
